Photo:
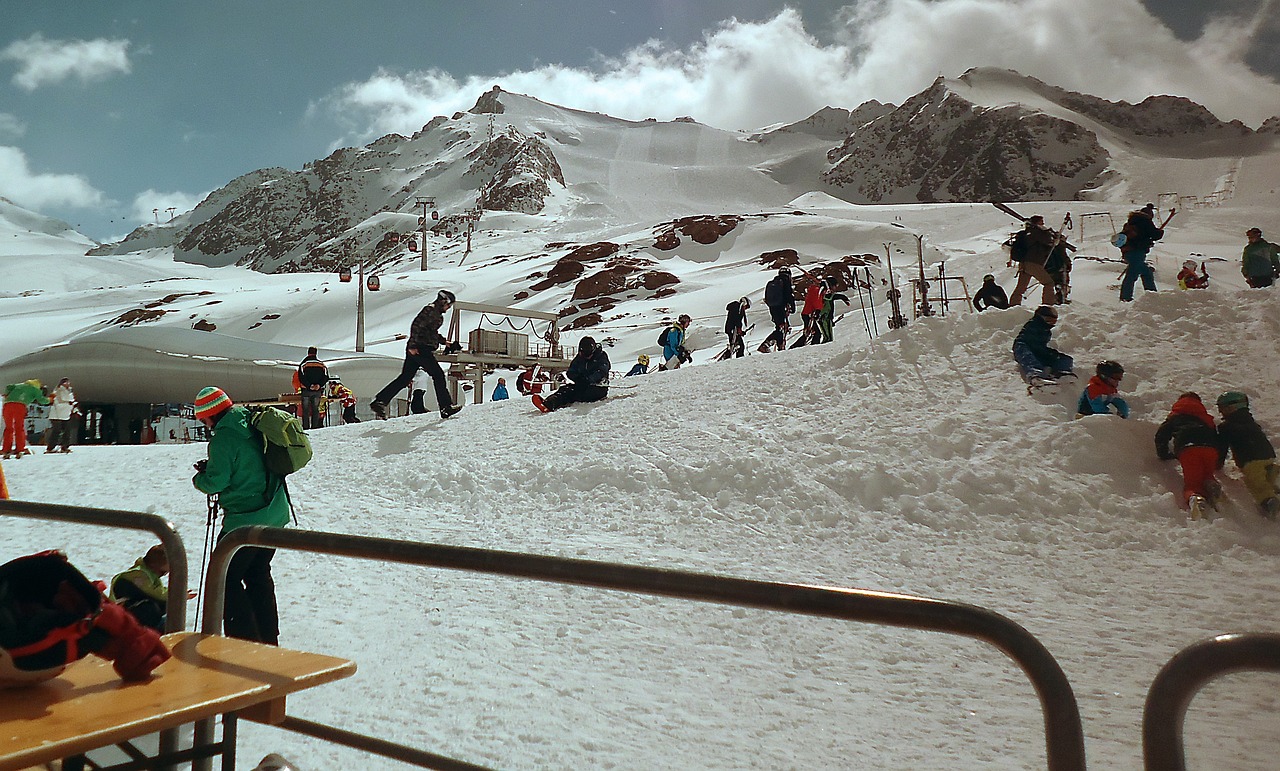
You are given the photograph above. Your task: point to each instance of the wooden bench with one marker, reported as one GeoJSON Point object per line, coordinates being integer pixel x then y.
{"type": "Point", "coordinates": [89, 706]}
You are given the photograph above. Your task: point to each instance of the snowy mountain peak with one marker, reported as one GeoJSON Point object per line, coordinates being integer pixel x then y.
{"type": "Point", "coordinates": [36, 233]}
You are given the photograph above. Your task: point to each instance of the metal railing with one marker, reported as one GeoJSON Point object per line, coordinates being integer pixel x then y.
{"type": "Point", "coordinates": [1063, 733]}
{"type": "Point", "coordinates": [1183, 676]}
{"type": "Point", "coordinates": [176, 608]}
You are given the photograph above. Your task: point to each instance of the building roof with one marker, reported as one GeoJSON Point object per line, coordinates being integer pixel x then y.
{"type": "Point", "coordinates": [156, 365]}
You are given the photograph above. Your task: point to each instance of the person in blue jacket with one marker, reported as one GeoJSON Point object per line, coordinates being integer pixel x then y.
{"type": "Point", "coordinates": [500, 390]}
{"type": "Point", "coordinates": [589, 372]}
{"type": "Point", "coordinates": [641, 367]}
{"type": "Point", "coordinates": [1102, 392]}
{"type": "Point", "coordinates": [673, 351]}
{"type": "Point", "coordinates": [249, 494]}
{"type": "Point", "coordinates": [1040, 364]}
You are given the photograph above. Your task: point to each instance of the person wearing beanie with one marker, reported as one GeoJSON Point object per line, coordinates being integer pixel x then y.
{"type": "Point", "coordinates": [420, 354]}
{"type": "Point", "coordinates": [62, 417]}
{"type": "Point", "coordinates": [589, 372]}
{"type": "Point", "coordinates": [1040, 364]}
{"type": "Point", "coordinates": [1189, 279]}
{"type": "Point", "coordinates": [17, 397]}
{"type": "Point", "coordinates": [991, 295]}
{"type": "Point", "coordinates": [248, 494]}
{"type": "Point", "coordinates": [1260, 261]}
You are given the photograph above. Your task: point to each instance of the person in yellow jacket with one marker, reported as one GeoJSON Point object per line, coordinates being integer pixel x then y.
{"type": "Point", "coordinates": [17, 397]}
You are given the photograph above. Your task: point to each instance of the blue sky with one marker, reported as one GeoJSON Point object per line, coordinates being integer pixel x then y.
{"type": "Point", "coordinates": [111, 110]}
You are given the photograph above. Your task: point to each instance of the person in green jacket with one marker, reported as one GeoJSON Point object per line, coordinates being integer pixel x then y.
{"type": "Point", "coordinates": [141, 590]}
{"type": "Point", "coordinates": [17, 397]}
{"type": "Point", "coordinates": [248, 494]}
{"type": "Point", "coordinates": [1260, 262]}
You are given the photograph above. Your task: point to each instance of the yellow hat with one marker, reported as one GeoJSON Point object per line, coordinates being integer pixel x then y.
{"type": "Point", "coordinates": [33, 382]}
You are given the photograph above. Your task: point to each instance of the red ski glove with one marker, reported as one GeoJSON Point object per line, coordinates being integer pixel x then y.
{"type": "Point", "coordinates": [133, 650]}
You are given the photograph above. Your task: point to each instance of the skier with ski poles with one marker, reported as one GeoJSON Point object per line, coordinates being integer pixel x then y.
{"type": "Point", "coordinates": [780, 297]}
{"type": "Point", "coordinates": [735, 326]}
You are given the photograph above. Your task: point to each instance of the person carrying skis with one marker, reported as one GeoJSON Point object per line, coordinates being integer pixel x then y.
{"type": "Point", "coordinates": [641, 366]}
{"type": "Point", "coordinates": [1040, 240]}
{"type": "Point", "coordinates": [673, 351]}
{"type": "Point", "coordinates": [827, 313]}
{"type": "Point", "coordinates": [1100, 395]}
{"type": "Point", "coordinates": [780, 299]}
{"type": "Point", "coordinates": [1058, 267]}
{"type": "Point", "coordinates": [1189, 435]}
{"type": "Point", "coordinates": [991, 295]}
{"type": "Point", "coordinates": [17, 397]}
{"type": "Point", "coordinates": [313, 375]}
{"type": "Point", "coordinates": [1189, 279]}
{"type": "Point", "coordinates": [248, 494]}
{"type": "Point", "coordinates": [1260, 261]}
{"type": "Point", "coordinates": [419, 354]}
{"type": "Point", "coordinates": [62, 413]}
{"type": "Point", "coordinates": [735, 326]}
{"type": "Point", "coordinates": [589, 372]}
{"type": "Point", "coordinates": [1040, 364]}
{"type": "Point", "coordinates": [1140, 234]}
{"type": "Point", "coordinates": [1252, 452]}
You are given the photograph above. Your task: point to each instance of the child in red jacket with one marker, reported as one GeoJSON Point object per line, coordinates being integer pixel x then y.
{"type": "Point", "coordinates": [1189, 279]}
{"type": "Point", "coordinates": [1195, 443]}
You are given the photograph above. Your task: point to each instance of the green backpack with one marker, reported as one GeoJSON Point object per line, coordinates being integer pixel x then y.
{"type": "Point", "coordinates": [284, 443]}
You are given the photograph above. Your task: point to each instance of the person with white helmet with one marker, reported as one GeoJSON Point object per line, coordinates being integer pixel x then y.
{"type": "Point", "coordinates": [420, 354]}
{"type": "Point", "coordinates": [1189, 279]}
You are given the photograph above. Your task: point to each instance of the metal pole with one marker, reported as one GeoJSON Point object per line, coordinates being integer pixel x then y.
{"type": "Point", "coordinates": [360, 309]}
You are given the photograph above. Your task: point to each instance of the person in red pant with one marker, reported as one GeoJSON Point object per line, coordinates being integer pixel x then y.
{"type": "Point", "coordinates": [1195, 443]}
{"type": "Point", "coordinates": [17, 397]}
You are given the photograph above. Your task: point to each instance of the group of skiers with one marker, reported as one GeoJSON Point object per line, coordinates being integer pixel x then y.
{"type": "Point", "coordinates": [63, 411]}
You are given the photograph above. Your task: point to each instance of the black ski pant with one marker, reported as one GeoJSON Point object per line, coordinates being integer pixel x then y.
{"type": "Point", "coordinates": [737, 348]}
{"type": "Point", "coordinates": [311, 417]}
{"type": "Point", "coordinates": [425, 361]}
{"type": "Point", "coordinates": [60, 433]}
{"type": "Point", "coordinates": [249, 612]}
{"type": "Point", "coordinates": [575, 393]}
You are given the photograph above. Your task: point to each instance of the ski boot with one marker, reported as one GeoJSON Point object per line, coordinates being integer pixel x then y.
{"type": "Point", "coordinates": [1196, 504]}
{"type": "Point", "coordinates": [379, 410]}
{"type": "Point", "coordinates": [450, 411]}
{"type": "Point", "coordinates": [1270, 508]}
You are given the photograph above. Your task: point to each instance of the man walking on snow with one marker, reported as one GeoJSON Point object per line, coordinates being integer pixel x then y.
{"type": "Point", "coordinates": [1040, 240]}
{"type": "Point", "coordinates": [419, 354]}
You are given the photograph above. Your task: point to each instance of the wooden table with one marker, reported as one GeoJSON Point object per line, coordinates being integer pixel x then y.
{"type": "Point", "coordinates": [89, 706]}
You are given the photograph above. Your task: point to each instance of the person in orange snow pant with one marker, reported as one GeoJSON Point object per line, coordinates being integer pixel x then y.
{"type": "Point", "coordinates": [15, 431]}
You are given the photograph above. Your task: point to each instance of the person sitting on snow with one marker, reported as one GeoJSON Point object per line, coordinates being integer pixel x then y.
{"type": "Point", "coordinates": [1252, 452]}
{"type": "Point", "coordinates": [1039, 363]}
{"type": "Point", "coordinates": [1189, 279]}
{"type": "Point", "coordinates": [500, 390]}
{"type": "Point", "coordinates": [141, 590]}
{"type": "Point", "coordinates": [1196, 445]}
{"type": "Point", "coordinates": [991, 295]}
{"type": "Point", "coordinates": [1100, 395]}
{"type": "Point", "coordinates": [589, 372]}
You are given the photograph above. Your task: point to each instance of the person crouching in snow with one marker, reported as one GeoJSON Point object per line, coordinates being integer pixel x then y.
{"type": "Point", "coordinates": [1195, 443]}
{"type": "Point", "coordinates": [1100, 395]}
{"type": "Point", "coordinates": [1250, 449]}
{"type": "Point", "coordinates": [589, 372]}
{"type": "Point", "coordinates": [1189, 279]}
{"type": "Point", "coordinates": [1039, 363]}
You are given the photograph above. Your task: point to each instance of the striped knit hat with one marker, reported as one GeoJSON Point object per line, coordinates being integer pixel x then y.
{"type": "Point", "coordinates": [211, 401]}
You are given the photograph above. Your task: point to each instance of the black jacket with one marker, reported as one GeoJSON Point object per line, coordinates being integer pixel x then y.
{"type": "Point", "coordinates": [424, 332]}
{"type": "Point", "coordinates": [1035, 335]}
{"type": "Point", "coordinates": [312, 374]}
{"type": "Point", "coordinates": [1244, 437]}
{"type": "Point", "coordinates": [1184, 431]}
{"type": "Point", "coordinates": [991, 296]}
{"type": "Point", "coordinates": [779, 294]}
{"type": "Point", "coordinates": [736, 318]}
{"type": "Point", "coordinates": [1140, 233]}
{"type": "Point", "coordinates": [590, 369]}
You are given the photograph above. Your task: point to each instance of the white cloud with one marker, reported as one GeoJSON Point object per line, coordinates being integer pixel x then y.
{"type": "Point", "coordinates": [11, 127]}
{"type": "Point", "coordinates": [43, 62]}
{"type": "Point", "coordinates": [745, 75]}
{"type": "Point", "coordinates": [151, 206]}
{"type": "Point", "coordinates": [21, 185]}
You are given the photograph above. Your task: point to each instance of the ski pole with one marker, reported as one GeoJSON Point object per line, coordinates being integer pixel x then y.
{"type": "Point", "coordinates": [863, 302]}
{"type": "Point", "coordinates": [871, 300]}
{"type": "Point", "coordinates": [208, 548]}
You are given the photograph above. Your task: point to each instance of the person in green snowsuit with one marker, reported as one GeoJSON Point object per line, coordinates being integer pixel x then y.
{"type": "Point", "coordinates": [17, 397]}
{"type": "Point", "coordinates": [248, 494]}
{"type": "Point", "coordinates": [1260, 261]}
{"type": "Point", "coordinates": [826, 314]}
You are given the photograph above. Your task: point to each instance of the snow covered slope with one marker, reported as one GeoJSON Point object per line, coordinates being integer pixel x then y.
{"type": "Point", "coordinates": [917, 464]}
